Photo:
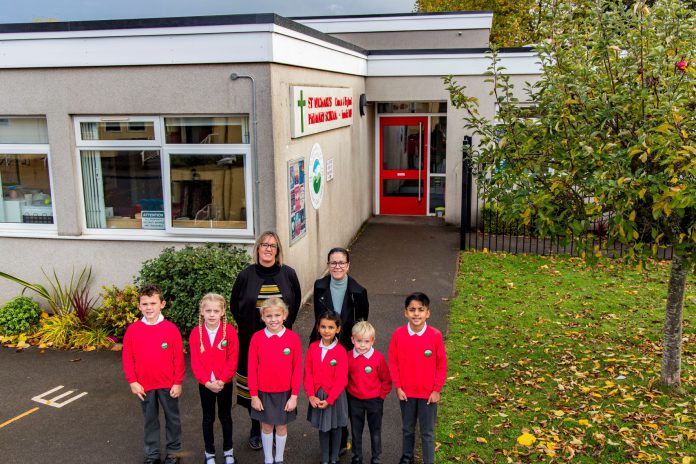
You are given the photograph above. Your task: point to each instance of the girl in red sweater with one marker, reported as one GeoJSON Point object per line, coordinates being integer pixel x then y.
{"type": "Point", "coordinates": [325, 380]}
{"type": "Point", "coordinates": [214, 350]}
{"type": "Point", "coordinates": [275, 377]}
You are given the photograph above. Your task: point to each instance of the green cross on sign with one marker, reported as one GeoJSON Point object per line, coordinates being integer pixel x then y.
{"type": "Point", "coordinates": [301, 103]}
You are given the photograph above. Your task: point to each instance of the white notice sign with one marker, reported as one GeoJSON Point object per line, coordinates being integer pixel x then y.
{"type": "Point", "coordinates": [318, 109]}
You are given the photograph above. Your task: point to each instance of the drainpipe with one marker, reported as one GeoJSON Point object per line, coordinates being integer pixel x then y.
{"type": "Point", "coordinates": [254, 148]}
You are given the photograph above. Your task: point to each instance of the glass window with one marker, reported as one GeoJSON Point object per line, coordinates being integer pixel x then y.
{"type": "Point", "coordinates": [208, 191]}
{"type": "Point", "coordinates": [122, 189]}
{"type": "Point", "coordinates": [26, 189]}
{"type": "Point", "coordinates": [117, 130]}
{"type": "Point", "coordinates": [438, 144]}
{"type": "Point", "coordinates": [437, 195]}
{"type": "Point", "coordinates": [412, 107]}
{"type": "Point", "coordinates": [23, 130]}
{"type": "Point", "coordinates": [214, 130]}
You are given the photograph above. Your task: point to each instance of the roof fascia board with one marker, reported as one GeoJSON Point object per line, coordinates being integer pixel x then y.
{"type": "Point", "coordinates": [341, 25]}
{"type": "Point", "coordinates": [472, 64]}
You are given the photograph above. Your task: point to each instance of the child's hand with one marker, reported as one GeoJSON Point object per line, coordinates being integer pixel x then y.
{"type": "Point", "coordinates": [138, 390]}
{"type": "Point", "coordinates": [256, 403]}
{"type": "Point", "coordinates": [434, 397]}
{"type": "Point", "coordinates": [213, 386]}
{"type": "Point", "coordinates": [314, 401]}
{"type": "Point", "coordinates": [323, 404]}
{"type": "Point", "coordinates": [401, 395]}
{"type": "Point", "coordinates": [291, 404]}
{"type": "Point", "coordinates": [175, 391]}
{"type": "Point", "coordinates": [220, 385]}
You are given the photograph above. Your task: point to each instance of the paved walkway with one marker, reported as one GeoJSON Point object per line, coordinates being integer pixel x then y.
{"type": "Point", "coordinates": [391, 258]}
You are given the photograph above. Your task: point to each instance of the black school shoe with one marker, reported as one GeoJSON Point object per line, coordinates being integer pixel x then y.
{"type": "Point", "coordinates": [152, 461]}
{"type": "Point", "coordinates": [255, 443]}
{"type": "Point", "coordinates": [171, 459]}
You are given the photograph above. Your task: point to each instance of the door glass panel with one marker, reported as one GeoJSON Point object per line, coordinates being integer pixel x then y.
{"type": "Point", "coordinates": [402, 147]}
{"type": "Point", "coordinates": [401, 188]}
{"type": "Point", "coordinates": [438, 144]}
{"type": "Point", "coordinates": [437, 193]}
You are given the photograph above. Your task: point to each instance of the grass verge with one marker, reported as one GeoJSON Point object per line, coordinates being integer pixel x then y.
{"type": "Point", "coordinates": [551, 360]}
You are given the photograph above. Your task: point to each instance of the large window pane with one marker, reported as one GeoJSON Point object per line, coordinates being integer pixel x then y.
{"type": "Point", "coordinates": [437, 194]}
{"type": "Point", "coordinates": [123, 189]}
{"type": "Point", "coordinates": [438, 144]}
{"type": "Point", "coordinates": [26, 189]}
{"type": "Point", "coordinates": [208, 191]}
{"type": "Point", "coordinates": [117, 130]}
{"type": "Point", "coordinates": [213, 130]}
{"type": "Point", "coordinates": [23, 130]}
{"type": "Point", "coordinates": [402, 147]}
{"type": "Point", "coordinates": [402, 188]}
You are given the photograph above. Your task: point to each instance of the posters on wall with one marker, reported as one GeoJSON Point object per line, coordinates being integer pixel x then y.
{"type": "Point", "coordinates": [296, 186]}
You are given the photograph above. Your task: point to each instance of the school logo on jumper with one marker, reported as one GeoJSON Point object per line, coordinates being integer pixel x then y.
{"type": "Point", "coordinates": [332, 362]}
{"type": "Point", "coordinates": [368, 369]}
{"type": "Point", "coordinates": [165, 346]}
{"type": "Point", "coordinates": [286, 351]}
{"type": "Point", "coordinates": [224, 343]}
{"type": "Point", "coordinates": [428, 353]}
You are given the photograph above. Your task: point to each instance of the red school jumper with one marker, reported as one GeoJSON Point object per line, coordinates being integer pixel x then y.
{"type": "Point", "coordinates": [418, 363]}
{"type": "Point", "coordinates": [153, 355]}
{"type": "Point", "coordinates": [368, 378]}
{"type": "Point", "coordinates": [275, 363]}
{"type": "Point", "coordinates": [222, 363]}
{"type": "Point", "coordinates": [331, 374]}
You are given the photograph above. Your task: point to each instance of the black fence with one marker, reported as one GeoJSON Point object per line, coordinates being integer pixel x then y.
{"type": "Point", "coordinates": [483, 227]}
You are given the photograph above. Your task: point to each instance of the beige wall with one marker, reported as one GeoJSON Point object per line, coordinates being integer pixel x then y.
{"type": "Point", "coordinates": [60, 94]}
{"type": "Point", "coordinates": [347, 201]}
{"type": "Point", "coordinates": [417, 40]}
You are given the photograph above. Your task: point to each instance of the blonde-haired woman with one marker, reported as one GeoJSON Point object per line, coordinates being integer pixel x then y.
{"type": "Point", "coordinates": [266, 278]}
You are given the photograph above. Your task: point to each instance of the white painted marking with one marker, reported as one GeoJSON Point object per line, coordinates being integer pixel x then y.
{"type": "Point", "coordinates": [54, 401]}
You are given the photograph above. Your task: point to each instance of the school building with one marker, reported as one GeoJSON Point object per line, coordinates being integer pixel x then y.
{"type": "Point", "coordinates": [120, 138]}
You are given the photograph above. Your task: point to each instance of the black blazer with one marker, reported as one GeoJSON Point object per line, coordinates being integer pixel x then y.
{"type": "Point", "coordinates": [355, 307]}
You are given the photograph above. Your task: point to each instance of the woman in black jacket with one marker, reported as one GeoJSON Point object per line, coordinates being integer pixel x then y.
{"type": "Point", "coordinates": [267, 278]}
{"type": "Point", "coordinates": [340, 292]}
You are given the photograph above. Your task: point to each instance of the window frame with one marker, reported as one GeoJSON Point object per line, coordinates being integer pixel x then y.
{"type": "Point", "coordinates": [32, 149]}
{"type": "Point", "coordinates": [165, 150]}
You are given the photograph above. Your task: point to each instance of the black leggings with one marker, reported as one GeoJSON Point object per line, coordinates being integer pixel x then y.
{"type": "Point", "coordinates": [224, 403]}
{"type": "Point", "coordinates": [330, 444]}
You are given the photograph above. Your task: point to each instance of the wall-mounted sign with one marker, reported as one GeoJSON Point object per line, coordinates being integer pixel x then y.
{"type": "Point", "coordinates": [296, 186]}
{"type": "Point", "coordinates": [329, 169]}
{"type": "Point", "coordinates": [318, 109]}
{"type": "Point", "coordinates": [317, 179]}
{"type": "Point", "coordinates": [153, 220]}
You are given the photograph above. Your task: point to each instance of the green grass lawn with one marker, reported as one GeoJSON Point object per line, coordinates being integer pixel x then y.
{"type": "Point", "coordinates": [566, 355]}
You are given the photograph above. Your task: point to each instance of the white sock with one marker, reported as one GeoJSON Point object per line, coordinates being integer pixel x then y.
{"type": "Point", "coordinates": [267, 441]}
{"type": "Point", "coordinates": [280, 447]}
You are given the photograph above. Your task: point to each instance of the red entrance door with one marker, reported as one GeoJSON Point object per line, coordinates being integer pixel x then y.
{"type": "Point", "coordinates": [403, 181]}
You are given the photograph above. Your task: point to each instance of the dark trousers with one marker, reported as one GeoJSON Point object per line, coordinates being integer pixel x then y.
{"type": "Point", "coordinates": [224, 412]}
{"type": "Point", "coordinates": [359, 409]}
{"type": "Point", "coordinates": [418, 410]}
{"type": "Point", "coordinates": [330, 444]}
{"type": "Point", "coordinates": [150, 406]}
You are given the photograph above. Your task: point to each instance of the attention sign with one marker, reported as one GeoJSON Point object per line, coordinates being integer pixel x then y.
{"type": "Point", "coordinates": [318, 109]}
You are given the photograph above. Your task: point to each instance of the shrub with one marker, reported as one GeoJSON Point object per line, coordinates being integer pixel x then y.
{"type": "Point", "coordinates": [187, 274]}
{"type": "Point", "coordinates": [91, 338]}
{"type": "Point", "coordinates": [19, 315]}
{"type": "Point", "coordinates": [118, 309]}
{"type": "Point", "coordinates": [58, 331]}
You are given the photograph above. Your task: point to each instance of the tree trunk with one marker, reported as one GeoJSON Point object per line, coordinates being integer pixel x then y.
{"type": "Point", "coordinates": [672, 344]}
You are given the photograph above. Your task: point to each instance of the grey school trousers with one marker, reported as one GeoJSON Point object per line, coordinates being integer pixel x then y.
{"type": "Point", "coordinates": [150, 405]}
{"type": "Point", "coordinates": [412, 411]}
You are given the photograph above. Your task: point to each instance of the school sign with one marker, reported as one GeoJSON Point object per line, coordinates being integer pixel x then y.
{"type": "Point", "coordinates": [319, 109]}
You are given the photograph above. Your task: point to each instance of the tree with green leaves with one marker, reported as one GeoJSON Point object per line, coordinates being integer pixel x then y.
{"type": "Point", "coordinates": [514, 21]}
{"type": "Point", "coordinates": [611, 139]}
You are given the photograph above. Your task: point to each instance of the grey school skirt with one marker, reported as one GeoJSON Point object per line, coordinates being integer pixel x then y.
{"type": "Point", "coordinates": [332, 417]}
{"type": "Point", "coordinates": [274, 409]}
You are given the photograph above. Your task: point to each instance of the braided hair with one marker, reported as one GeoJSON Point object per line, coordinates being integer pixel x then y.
{"type": "Point", "coordinates": [213, 298]}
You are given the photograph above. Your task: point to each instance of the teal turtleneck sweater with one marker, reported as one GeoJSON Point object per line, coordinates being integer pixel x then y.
{"type": "Point", "coordinates": [338, 292]}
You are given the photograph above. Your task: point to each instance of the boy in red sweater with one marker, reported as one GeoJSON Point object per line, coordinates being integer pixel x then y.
{"type": "Point", "coordinates": [153, 361]}
{"type": "Point", "coordinates": [369, 383]}
{"type": "Point", "coordinates": [418, 367]}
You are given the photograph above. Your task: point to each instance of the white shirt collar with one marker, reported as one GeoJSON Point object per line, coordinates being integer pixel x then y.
{"type": "Point", "coordinates": [367, 354]}
{"type": "Point", "coordinates": [325, 349]}
{"type": "Point", "coordinates": [269, 334]}
{"type": "Point", "coordinates": [159, 319]}
{"type": "Point", "coordinates": [213, 331]}
{"type": "Point", "coordinates": [411, 332]}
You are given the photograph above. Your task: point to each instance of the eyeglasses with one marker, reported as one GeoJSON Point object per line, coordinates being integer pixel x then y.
{"type": "Point", "coordinates": [267, 246]}
{"type": "Point", "coordinates": [337, 263]}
